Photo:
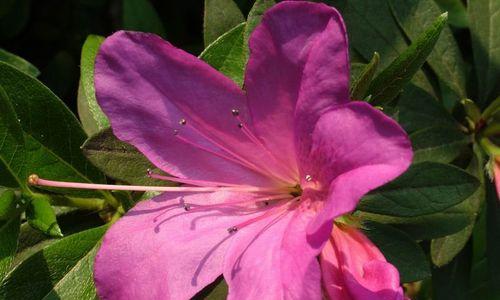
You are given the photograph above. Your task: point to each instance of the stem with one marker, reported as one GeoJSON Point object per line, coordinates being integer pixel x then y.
{"type": "Point", "coordinates": [85, 203]}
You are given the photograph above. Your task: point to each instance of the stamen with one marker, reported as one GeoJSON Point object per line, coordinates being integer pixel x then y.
{"type": "Point", "coordinates": [37, 181]}
{"type": "Point", "coordinates": [197, 207]}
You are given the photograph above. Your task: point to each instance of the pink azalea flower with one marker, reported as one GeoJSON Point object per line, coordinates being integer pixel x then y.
{"type": "Point", "coordinates": [265, 170]}
{"type": "Point", "coordinates": [496, 174]}
{"type": "Point", "coordinates": [353, 268]}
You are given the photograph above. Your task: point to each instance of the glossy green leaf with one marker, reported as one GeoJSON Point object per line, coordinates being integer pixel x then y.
{"type": "Point", "coordinates": [414, 16]}
{"type": "Point", "coordinates": [425, 188]}
{"type": "Point", "coordinates": [52, 270]}
{"type": "Point", "coordinates": [419, 110]}
{"type": "Point", "coordinates": [227, 54]}
{"type": "Point", "coordinates": [444, 249]}
{"type": "Point", "coordinates": [8, 204]}
{"type": "Point", "coordinates": [438, 144]}
{"type": "Point", "coordinates": [92, 118]}
{"type": "Point", "coordinates": [18, 62]}
{"type": "Point", "coordinates": [456, 10]}
{"type": "Point", "coordinates": [400, 250]}
{"type": "Point", "coordinates": [255, 15]}
{"type": "Point", "coordinates": [389, 83]}
{"type": "Point", "coordinates": [360, 85]}
{"type": "Point", "coordinates": [140, 15]}
{"type": "Point", "coordinates": [220, 16]}
{"type": "Point", "coordinates": [118, 159]}
{"type": "Point", "coordinates": [52, 133]}
{"type": "Point", "coordinates": [12, 150]}
{"type": "Point", "coordinates": [41, 215]}
{"type": "Point", "coordinates": [484, 21]}
{"type": "Point", "coordinates": [9, 233]}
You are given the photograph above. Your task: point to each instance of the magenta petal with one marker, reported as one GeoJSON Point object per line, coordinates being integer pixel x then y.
{"type": "Point", "coordinates": [356, 148]}
{"type": "Point", "coordinates": [265, 262]}
{"type": "Point", "coordinates": [298, 66]}
{"type": "Point", "coordinates": [354, 269]}
{"type": "Point", "coordinates": [174, 108]}
{"type": "Point", "coordinates": [160, 251]}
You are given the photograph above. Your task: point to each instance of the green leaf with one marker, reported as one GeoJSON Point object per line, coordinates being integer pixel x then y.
{"type": "Point", "coordinates": [52, 133]}
{"type": "Point", "coordinates": [360, 85]}
{"type": "Point", "coordinates": [12, 150]}
{"type": "Point", "coordinates": [425, 188]}
{"type": "Point", "coordinates": [18, 62]}
{"type": "Point", "coordinates": [484, 21]}
{"type": "Point", "coordinates": [389, 83]}
{"type": "Point", "coordinates": [215, 291]}
{"type": "Point", "coordinates": [8, 204]}
{"type": "Point", "coordinates": [400, 250]}
{"type": "Point", "coordinates": [118, 159]}
{"type": "Point", "coordinates": [437, 144]}
{"type": "Point", "coordinates": [419, 110]}
{"type": "Point", "coordinates": [41, 215]}
{"type": "Point", "coordinates": [140, 15]}
{"type": "Point", "coordinates": [457, 11]}
{"type": "Point", "coordinates": [220, 16]}
{"type": "Point", "coordinates": [255, 16]}
{"type": "Point", "coordinates": [414, 16]}
{"type": "Point", "coordinates": [227, 54]}
{"type": "Point", "coordinates": [444, 249]}
{"type": "Point", "coordinates": [493, 238]}
{"type": "Point", "coordinates": [451, 282]}
{"type": "Point", "coordinates": [9, 233]}
{"type": "Point", "coordinates": [55, 270]}
{"type": "Point", "coordinates": [14, 19]}
{"type": "Point", "coordinates": [92, 118]}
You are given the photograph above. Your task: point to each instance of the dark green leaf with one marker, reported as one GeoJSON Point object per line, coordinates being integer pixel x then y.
{"type": "Point", "coordinates": [451, 282]}
{"type": "Point", "coordinates": [140, 15]}
{"type": "Point", "coordinates": [425, 188]}
{"type": "Point", "coordinates": [9, 233]}
{"type": "Point", "coordinates": [220, 16]}
{"type": "Point", "coordinates": [215, 291]}
{"type": "Point", "coordinates": [438, 144]}
{"type": "Point", "coordinates": [227, 54]}
{"type": "Point", "coordinates": [41, 215]}
{"type": "Point", "coordinates": [92, 118]}
{"type": "Point", "coordinates": [255, 15]}
{"type": "Point", "coordinates": [18, 62]}
{"type": "Point", "coordinates": [14, 19]}
{"type": "Point", "coordinates": [52, 270]}
{"type": "Point", "coordinates": [8, 204]}
{"type": "Point", "coordinates": [493, 238]}
{"type": "Point", "coordinates": [414, 16]}
{"type": "Point", "coordinates": [419, 110]}
{"type": "Point", "coordinates": [360, 85]}
{"type": "Point", "coordinates": [484, 21]}
{"type": "Point", "coordinates": [400, 250]}
{"type": "Point", "coordinates": [389, 83]}
{"type": "Point", "coordinates": [457, 11]}
{"type": "Point", "coordinates": [12, 150]}
{"type": "Point", "coordinates": [118, 160]}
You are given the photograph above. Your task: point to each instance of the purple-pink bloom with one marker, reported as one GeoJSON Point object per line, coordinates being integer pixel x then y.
{"type": "Point", "coordinates": [265, 170]}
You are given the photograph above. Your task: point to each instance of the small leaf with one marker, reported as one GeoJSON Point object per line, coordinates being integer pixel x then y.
{"type": "Point", "coordinates": [389, 83]}
{"type": "Point", "coordinates": [19, 63]}
{"type": "Point", "coordinates": [255, 16]}
{"type": "Point", "coordinates": [9, 233]}
{"type": "Point", "coordinates": [400, 250]}
{"type": "Point", "coordinates": [361, 83]}
{"type": "Point", "coordinates": [220, 16]}
{"type": "Point", "coordinates": [484, 21]}
{"type": "Point", "coordinates": [55, 269]}
{"type": "Point", "coordinates": [140, 15]}
{"type": "Point", "coordinates": [41, 215]}
{"type": "Point", "coordinates": [457, 11]}
{"type": "Point", "coordinates": [92, 118]}
{"type": "Point", "coordinates": [118, 159]}
{"type": "Point", "coordinates": [227, 54]}
{"type": "Point", "coordinates": [8, 204]}
{"type": "Point", "coordinates": [437, 144]}
{"type": "Point", "coordinates": [425, 188]}
{"type": "Point", "coordinates": [414, 16]}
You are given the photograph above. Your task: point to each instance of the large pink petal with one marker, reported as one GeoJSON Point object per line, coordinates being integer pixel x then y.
{"type": "Point", "coordinates": [271, 260]}
{"type": "Point", "coordinates": [298, 66]}
{"type": "Point", "coordinates": [356, 148]}
{"type": "Point", "coordinates": [496, 174]}
{"type": "Point", "coordinates": [177, 110]}
{"type": "Point", "coordinates": [160, 251]}
{"type": "Point", "coordinates": [354, 269]}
